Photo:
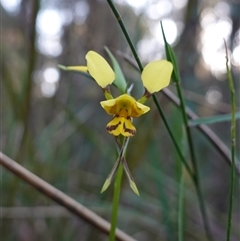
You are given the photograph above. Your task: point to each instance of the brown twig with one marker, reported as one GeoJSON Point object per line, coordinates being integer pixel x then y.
{"type": "Point", "coordinates": [60, 197]}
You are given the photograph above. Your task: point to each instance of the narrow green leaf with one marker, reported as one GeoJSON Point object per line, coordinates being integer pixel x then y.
{"type": "Point", "coordinates": [212, 119]}
{"type": "Point", "coordinates": [170, 56]}
{"type": "Point", "coordinates": [119, 81]}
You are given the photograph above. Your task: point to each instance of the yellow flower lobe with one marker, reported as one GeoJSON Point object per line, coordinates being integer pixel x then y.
{"type": "Point", "coordinates": [123, 108]}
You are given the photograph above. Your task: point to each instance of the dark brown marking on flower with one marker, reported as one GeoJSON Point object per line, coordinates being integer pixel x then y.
{"type": "Point", "coordinates": [113, 127]}
{"type": "Point", "coordinates": [130, 131]}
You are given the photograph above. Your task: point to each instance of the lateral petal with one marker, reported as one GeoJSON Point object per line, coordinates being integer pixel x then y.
{"type": "Point", "coordinates": [109, 106]}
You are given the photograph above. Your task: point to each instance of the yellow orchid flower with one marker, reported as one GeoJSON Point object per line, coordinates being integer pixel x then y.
{"type": "Point", "coordinates": [123, 108]}
{"type": "Point", "coordinates": [155, 76]}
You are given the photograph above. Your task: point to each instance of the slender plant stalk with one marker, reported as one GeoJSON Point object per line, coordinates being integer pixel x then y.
{"type": "Point", "coordinates": [119, 19]}
{"type": "Point", "coordinates": [233, 145]}
{"type": "Point", "coordinates": [116, 196]}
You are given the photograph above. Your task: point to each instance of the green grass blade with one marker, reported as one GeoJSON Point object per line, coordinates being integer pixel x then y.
{"type": "Point", "coordinates": [171, 57]}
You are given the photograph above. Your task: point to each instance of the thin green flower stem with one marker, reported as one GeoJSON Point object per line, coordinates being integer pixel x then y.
{"type": "Point", "coordinates": [119, 19]}
{"type": "Point", "coordinates": [116, 196]}
{"type": "Point", "coordinates": [117, 187]}
{"type": "Point", "coordinates": [233, 145]}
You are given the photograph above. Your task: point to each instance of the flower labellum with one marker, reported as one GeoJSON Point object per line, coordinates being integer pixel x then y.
{"type": "Point", "coordinates": [123, 108]}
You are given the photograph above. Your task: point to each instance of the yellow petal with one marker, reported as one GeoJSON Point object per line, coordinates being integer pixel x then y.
{"type": "Point", "coordinates": [139, 109]}
{"type": "Point", "coordinates": [109, 106]}
{"type": "Point", "coordinates": [156, 75]}
{"type": "Point", "coordinates": [99, 69]}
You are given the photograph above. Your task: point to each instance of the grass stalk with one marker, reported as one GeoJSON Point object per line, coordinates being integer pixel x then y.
{"type": "Point", "coordinates": [233, 145]}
